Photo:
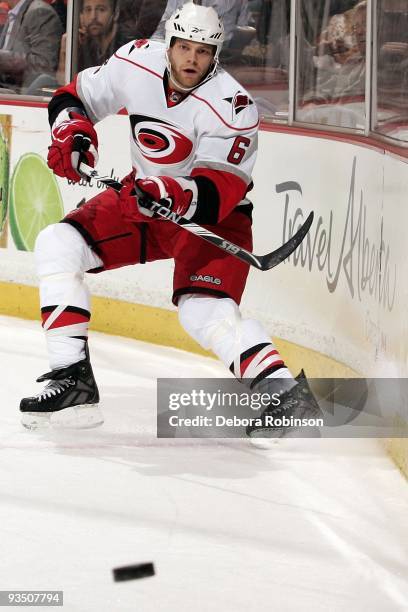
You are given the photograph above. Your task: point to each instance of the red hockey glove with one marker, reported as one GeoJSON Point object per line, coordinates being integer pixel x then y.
{"type": "Point", "coordinates": [129, 205]}
{"type": "Point", "coordinates": [179, 195]}
{"type": "Point", "coordinates": [73, 141]}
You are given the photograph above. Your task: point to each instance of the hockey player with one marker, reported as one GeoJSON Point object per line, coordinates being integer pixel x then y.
{"type": "Point", "coordinates": [193, 141]}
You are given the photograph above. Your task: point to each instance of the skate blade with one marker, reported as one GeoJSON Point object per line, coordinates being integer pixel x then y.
{"type": "Point", "coordinates": [84, 416]}
{"type": "Point", "coordinates": [263, 443]}
{"type": "Point", "coordinates": [268, 438]}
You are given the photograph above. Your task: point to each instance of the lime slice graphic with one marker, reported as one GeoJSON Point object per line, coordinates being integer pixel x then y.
{"type": "Point", "coordinates": [4, 174]}
{"type": "Point", "coordinates": [35, 200]}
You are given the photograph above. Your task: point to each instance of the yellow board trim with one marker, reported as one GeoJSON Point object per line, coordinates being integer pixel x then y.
{"type": "Point", "coordinates": [158, 326]}
{"type": "Point", "coordinates": [398, 447]}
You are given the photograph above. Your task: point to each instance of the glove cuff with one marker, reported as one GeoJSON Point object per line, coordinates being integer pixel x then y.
{"type": "Point", "coordinates": [184, 193]}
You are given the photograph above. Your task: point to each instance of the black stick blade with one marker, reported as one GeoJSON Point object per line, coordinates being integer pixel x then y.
{"type": "Point", "coordinates": [276, 257]}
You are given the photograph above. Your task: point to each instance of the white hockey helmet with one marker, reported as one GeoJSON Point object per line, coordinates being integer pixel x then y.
{"type": "Point", "coordinates": [197, 23]}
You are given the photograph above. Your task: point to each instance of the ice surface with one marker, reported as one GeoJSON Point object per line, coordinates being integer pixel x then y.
{"type": "Point", "coordinates": [312, 525]}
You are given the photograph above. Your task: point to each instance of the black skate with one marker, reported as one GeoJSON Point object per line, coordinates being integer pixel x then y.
{"type": "Point", "coordinates": [279, 421]}
{"type": "Point", "coordinates": [69, 400]}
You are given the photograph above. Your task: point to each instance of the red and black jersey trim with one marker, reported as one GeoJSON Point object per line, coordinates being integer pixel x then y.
{"type": "Point", "coordinates": [231, 190]}
{"type": "Point", "coordinates": [208, 202]}
{"type": "Point", "coordinates": [245, 209]}
{"type": "Point", "coordinates": [60, 102]}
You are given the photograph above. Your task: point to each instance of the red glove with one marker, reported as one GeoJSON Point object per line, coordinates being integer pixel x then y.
{"type": "Point", "coordinates": [129, 205]}
{"type": "Point", "coordinates": [73, 141]}
{"type": "Point", "coordinates": [178, 194]}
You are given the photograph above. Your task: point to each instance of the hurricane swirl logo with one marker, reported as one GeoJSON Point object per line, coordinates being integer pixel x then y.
{"type": "Point", "coordinates": [160, 142]}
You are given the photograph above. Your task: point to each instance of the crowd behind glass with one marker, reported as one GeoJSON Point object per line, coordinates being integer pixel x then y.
{"type": "Point", "coordinates": [325, 84]}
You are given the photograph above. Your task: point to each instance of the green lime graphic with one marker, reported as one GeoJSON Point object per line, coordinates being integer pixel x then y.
{"type": "Point", "coordinates": [4, 176]}
{"type": "Point", "coordinates": [35, 200]}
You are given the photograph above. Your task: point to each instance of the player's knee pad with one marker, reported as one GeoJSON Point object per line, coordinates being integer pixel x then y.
{"type": "Point", "coordinates": [60, 249]}
{"type": "Point", "coordinates": [209, 320]}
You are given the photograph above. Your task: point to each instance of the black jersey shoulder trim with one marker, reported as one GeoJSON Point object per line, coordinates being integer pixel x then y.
{"type": "Point", "coordinates": [245, 209]}
{"type": "Point", "coordinates": [60, 102]}
{"type": "Point", "coordinates": [208, 202]}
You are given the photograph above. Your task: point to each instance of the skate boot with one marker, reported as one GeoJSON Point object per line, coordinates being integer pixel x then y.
{"type": "Point", "coordinates": [279, 421]}
{"type": "Point", "coordinates": [69, 400]}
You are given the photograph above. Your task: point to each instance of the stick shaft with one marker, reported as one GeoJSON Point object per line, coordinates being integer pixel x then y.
{"type": "Point", "coordinates": [262, 262]}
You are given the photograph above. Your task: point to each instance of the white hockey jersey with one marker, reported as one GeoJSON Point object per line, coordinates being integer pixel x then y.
{"type": "Point", "coordinates": [214, 127]}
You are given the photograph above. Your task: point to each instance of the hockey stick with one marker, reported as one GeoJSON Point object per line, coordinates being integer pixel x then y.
{"type": "Point", "coordinates": [262, 262]}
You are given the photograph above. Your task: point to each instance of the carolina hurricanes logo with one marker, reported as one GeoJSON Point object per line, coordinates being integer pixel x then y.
{"type": "Point", "coordinates": [239, 102]}
{"type": "Point", "coordinates": [140, 43]}
{"type": "Point", "coordinates": [160, 142]}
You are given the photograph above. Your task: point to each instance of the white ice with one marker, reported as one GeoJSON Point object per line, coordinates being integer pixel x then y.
{"type": "Point", "coordinates": [313, 525]}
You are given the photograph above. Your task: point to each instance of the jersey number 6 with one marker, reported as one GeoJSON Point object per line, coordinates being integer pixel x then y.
{"type": "Point", "coordinates": [238, 149]}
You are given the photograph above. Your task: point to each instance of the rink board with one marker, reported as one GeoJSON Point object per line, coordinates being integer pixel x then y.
{"type": "Point", "coordinates": [343, 294]}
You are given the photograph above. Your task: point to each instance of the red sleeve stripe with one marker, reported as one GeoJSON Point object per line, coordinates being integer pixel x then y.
{"type": "Point", "coordinates": [232, 127]}
{"type": "Point", "coordinates": [71, 88]}
{"type": "Point", "coordinates": [231, 188]}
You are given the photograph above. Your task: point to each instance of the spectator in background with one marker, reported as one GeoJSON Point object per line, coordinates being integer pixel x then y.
{"type": "Point", "coordinates": [106, 25]}
{"type": "Point", "coordinates": [392, 60]}
{"type": "Point", "coordinates": [347, 77]}
{"type": "Point", "coordinates": [98, 32]}
{"type": "Point", "coordinates": [270, 48]}
{"type": "Point", "coordinates": [29, 43]}
{"type": "Point", "coordinates": [316, 14]}
{"type": "Point", "coordinates": [337, 43]}
{"type": "Point", "coordinates": [60, 7]}
{"type": "Point", "coordinates": [4, 9]}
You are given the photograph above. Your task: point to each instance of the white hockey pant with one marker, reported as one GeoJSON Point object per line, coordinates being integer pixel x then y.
{"type": "Point", "coordinates": [62, 256]}
{"type": "Point", "coordinates": [217, 324]}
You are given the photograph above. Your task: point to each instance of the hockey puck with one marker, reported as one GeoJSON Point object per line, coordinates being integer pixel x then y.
{"type": "Point", "coordinates": [133, 572]}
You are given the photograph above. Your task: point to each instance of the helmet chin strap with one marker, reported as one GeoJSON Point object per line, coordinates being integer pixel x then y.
{"type": "Point", "coordinates": [188, 89]}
